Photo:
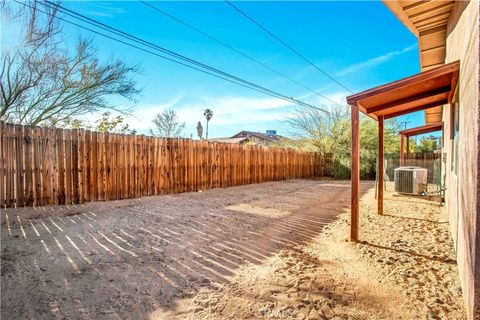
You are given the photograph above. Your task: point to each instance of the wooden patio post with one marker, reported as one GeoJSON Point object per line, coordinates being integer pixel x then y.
{"type": "Point", "coordinates": [380, 166]}
{"type": "Point", "coordinates": [408, 150]}
{"type": "Point", "coordinates": [355, 176]}
{"type": "Point", "coordinates": [401, 150]}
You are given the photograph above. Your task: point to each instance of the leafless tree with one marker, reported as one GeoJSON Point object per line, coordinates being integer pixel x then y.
{"type": "Point", "coordinates": [45, 82]}
{"type": "Point", "coordinates": [167, 125]}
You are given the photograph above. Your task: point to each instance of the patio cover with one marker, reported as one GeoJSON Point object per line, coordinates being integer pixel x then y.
{"type": "Point", "coordinates": [431, 127]}
{"type": "Point", "coordinates": [407, 133]}
{"type": "Point", "coordinates": [425, 90]}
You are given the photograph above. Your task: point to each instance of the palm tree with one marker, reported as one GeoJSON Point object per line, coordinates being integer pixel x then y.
{"type": "Point", "coordinates": [208, 115]}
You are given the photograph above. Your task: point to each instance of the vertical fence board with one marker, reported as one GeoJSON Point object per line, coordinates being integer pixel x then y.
{"type": "Point", "coordinates": [2, 165]}
{"type": "Point", "coordinates": [10, 158]}
{"type": "Point", "coordinates": [59, 140]}
{"type": "Point", "coordinates": [29, 167]}
{"type": "Point", "coordinates": [37, 165]}
{"type": "Point", "coordinates": [67, 136]}
{"type": "Point", "coordinates": [94, 167]}
{"type": "Point", "coordinates": [46, 167]}
{"type": "Point", "coordinates": [102, 173]}
{"type": "Point", "coordinates": [19, 166]}
{"type": "Point", "coordinates": [86, 166]}
{"type": "Point", "coordinates": [75, 167]}
{"type": "Point", "coordinates": [81, 165]}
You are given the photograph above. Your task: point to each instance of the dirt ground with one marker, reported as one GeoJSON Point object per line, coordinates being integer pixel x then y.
{"type": "Point", "coordinates": [260, 251]}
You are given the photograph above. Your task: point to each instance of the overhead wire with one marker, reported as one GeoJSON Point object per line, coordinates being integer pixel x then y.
{"type": "Point", "coordinates": [296, 52]}
{"type": "Point", "coordinates": [189, 61]}
{"type": "Point", "coordinates": [186, 24]}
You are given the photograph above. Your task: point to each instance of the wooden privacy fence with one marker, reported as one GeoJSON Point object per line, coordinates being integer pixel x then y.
{"type": "Point", "coordinates": [42, 166]}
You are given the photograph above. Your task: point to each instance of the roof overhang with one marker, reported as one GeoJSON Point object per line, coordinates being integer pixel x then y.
{"type": "Point", "coordinates": [428, 128]}
{"type": "Point", "coordinates": [422, 91]}
{"type": "Point", "coordinates": [428, 20]}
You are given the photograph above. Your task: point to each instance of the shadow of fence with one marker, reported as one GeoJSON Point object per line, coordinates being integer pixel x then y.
{"type": "Point", "coordinates": [126, 259]}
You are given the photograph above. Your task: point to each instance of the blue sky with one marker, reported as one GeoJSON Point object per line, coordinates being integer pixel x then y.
{"type": "Point", "coordinates": [360, 43]}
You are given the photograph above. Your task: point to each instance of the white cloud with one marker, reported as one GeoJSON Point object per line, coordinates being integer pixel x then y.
{"type": "Point", "coordinates": [375, 61]}
{"type": "Point", "coordinates": [237, 111]}
{"type": "Point", "coordinates": [227, 110]}
{"type": "Point", "coordinates": [142, 115]}
{"type": "Point", "coordinates": [102, 9]}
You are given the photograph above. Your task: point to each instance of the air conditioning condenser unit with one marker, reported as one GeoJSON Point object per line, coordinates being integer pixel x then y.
{"type": "Point", "coordinates": [410, 180]}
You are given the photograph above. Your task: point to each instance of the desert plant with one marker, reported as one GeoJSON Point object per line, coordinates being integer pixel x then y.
{"type": "Point", "coordinates": [330, 133]}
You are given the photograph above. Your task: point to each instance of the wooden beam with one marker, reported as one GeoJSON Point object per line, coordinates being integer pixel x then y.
{"type": "Point", "coordinates": [439, 47]}
{"type": "Point", "coordinates": [412, 80]}
{"type": "Point", "coordinates": [432, 25]}
{"type": "Point", "coordinates": [380, 166]}
{"type": "Point", "coordinates": [427, 24]}
{"type": "Point", "coordinates": [416, 5]}
{"type": "Point", "coordinates": [435, 16]}
{"type": "Point", "coordinates": [433, 31]}
{"type": "Point", "coordinates": [431, 66]}
{"type": "Point", "coordinates": [419, 108]}
{"type": "Point", "coordinates": [453, 91]}
{"type": "Point", "coordinates": [432, 20]}
{"type": "Point", "coordinates": [432, 11]}
{"type": "Point", "coordinates": [355, 176]}
{"type": "Point", "coordinates": [431, 127]}
{"type": "Point", "coordinates": [410, 99]}
{"type": "Point", "coordinates": [432, 118]}
{"type": "Point", "coordinates": [431, 40]}
{"type": "Point", "coordinates": [402, 137]}
{"type": "Point", "coordinates": [407, 154]}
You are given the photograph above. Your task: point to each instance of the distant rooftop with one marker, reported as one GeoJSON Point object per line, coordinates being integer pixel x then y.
{"type": "Point", "coordinates": [229, 140]}
{"type": "Point", "coordinates": [270, 135]}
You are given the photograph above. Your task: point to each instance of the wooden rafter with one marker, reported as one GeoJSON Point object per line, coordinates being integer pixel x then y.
{"type": "Point", "coordinates": [405, 101]}
{"type": "Point", "coordinates": [425, 90]}
{"type": "Point", "coordinates": [415, 109]}
{"type": "Point", "coordinates": [431, 127]}
{"type": "Point", "coordinates": [428, 20]}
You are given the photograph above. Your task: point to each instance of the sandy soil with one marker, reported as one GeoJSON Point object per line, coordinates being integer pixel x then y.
{"type": "Point", "coordinates": [404, 268]}
{"type": "Point", "coordinates": [257, 251]}
{"type": "Point", "coordinates": [412, 247]}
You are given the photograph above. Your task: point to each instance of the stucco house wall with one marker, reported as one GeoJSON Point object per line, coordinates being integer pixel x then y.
{"type": "Point", "coordinates": [462, 193]}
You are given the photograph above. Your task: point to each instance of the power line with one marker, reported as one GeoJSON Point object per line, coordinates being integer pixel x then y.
{"type": "Point", "coordinates": [163, 12]}
{"type": "Point", "coordinates": [144, 50]}
{"type": "Point", "coordinates": [158, 55]}
{"type": "Point", "coordinates": [200, 66]}
{"type": "Point", "coordinates": [286, 44]}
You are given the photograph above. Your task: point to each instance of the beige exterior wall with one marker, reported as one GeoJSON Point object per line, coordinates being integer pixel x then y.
{"type": "Point", "coordinates": [462, 194]}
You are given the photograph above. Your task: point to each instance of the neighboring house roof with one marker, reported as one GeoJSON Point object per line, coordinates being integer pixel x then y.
{"type": "Point", "coordinates": [260, 135]}
{"type": "Point", "coordinates": [229, 140]}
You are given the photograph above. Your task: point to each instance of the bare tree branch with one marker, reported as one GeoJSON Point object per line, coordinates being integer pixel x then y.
{"type": "Point", "coordinates": [167, 125]}
{"type": "Point", "coordinates": [45, 82]}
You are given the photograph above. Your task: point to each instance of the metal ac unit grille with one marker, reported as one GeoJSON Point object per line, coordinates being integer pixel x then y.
{"type": "Point", "coordinates": [404, 181]}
